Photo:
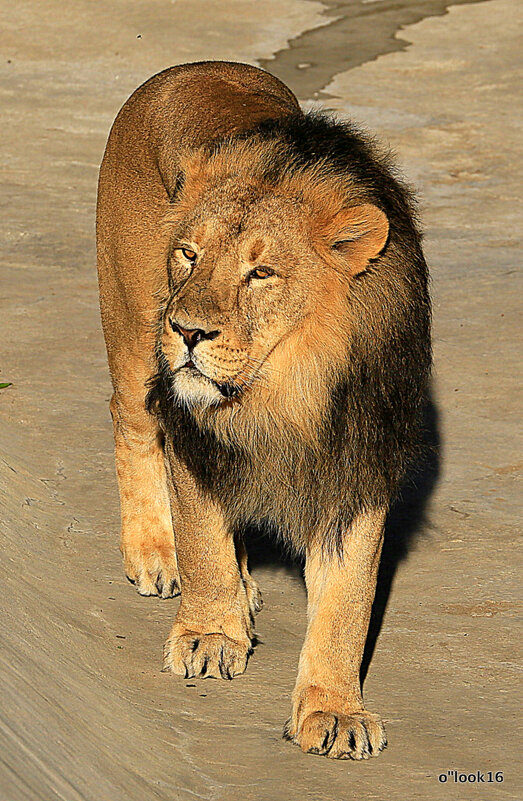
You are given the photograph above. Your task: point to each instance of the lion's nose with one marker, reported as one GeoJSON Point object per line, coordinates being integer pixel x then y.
{"type": "Point", "coordinates": [191, 336]}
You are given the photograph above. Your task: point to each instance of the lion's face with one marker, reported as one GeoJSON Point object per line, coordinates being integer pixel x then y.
{"type": "Point", "coordinates": [244, 280]}
{"type": "Point", "coordinates": [251, 277]}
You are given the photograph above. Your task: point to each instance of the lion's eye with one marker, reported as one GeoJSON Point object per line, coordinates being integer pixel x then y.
{"type": "Point", "coordinates": [261, 272]}
{"type": "Point", "coordinates": [190, 255]}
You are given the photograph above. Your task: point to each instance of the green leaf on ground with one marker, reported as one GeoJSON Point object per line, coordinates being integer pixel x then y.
{"type": "Point", "coordinates": [7, 384]}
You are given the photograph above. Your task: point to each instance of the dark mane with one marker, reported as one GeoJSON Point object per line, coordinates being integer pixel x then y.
{"type": "Point", "coordinates": [318, 137]}
{"type": "Point", "coordinates": [371, 426]}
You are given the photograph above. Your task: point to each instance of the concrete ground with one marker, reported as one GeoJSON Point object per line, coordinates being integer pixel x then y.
{"type": "Point", "coordinates": [84, 711]}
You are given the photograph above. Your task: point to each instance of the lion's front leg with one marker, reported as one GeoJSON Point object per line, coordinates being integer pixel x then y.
{"type": "Point", "coordinates": [328, 716]}
{"type": "Point", "coordinates": [212, 634]}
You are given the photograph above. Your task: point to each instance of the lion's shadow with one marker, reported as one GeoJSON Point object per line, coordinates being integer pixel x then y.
{"type": "Point", "coordinates": [403, 529]}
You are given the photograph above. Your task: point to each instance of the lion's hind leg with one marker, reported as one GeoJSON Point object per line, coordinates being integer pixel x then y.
{"type": "Point", "coordinates": [254, 595]}
{"type": "Point", "coordinates": [147, 540]}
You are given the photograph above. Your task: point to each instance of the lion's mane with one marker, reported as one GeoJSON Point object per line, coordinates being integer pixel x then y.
{"type": "Point", "coordinates": [263, 465]}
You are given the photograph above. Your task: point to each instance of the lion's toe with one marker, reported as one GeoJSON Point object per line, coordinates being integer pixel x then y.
{"type": "Point", "coordinates": [318, 733]}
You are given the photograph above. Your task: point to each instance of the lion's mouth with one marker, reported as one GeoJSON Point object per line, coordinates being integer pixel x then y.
{"type": "Point", "coordinates": [191, 367]}
{"type": "Point", "coordinates": [227, 389]}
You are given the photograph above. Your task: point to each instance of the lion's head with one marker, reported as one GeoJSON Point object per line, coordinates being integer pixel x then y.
{"type": "Point", "coordinates": [259, 269]}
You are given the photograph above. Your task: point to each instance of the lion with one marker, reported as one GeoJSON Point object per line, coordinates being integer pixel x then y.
{"type": "Point", "coordinates": [265, 307]}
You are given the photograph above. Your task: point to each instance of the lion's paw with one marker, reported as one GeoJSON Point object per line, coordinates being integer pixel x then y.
{"type": "Point", "coordinates": [254, 596]}
{"type": "Point", "coordinates": [152, 568]}
{"type": "Point", "coordinates": [339, 736]}
{"type": "Point", "coordinates": [206, 655]}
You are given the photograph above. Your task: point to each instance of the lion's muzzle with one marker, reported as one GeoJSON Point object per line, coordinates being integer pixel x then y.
{"type": "Point", "coordinates": [192, 336]}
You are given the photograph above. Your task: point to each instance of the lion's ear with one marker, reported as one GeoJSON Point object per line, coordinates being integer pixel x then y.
{"type": "Point", "coordinates": [359, 233]}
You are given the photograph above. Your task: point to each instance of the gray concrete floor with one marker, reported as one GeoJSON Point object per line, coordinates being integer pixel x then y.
{"type": "Point", "coordinates": [84, 711]}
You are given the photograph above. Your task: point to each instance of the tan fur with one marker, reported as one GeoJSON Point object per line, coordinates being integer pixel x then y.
{"type": "Point", "coordinates": [327, 702]}
{"type": "Point", "coordinates": [158, 134]}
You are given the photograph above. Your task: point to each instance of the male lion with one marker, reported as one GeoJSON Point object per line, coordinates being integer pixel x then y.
{"type": "Point", "coordinates": [265, 308]}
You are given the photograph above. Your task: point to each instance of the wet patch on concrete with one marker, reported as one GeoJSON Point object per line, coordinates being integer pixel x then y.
{"type": "Point", "coordinates": [359, 31]}
{"type": "Point", "coordinates": [484, 609]}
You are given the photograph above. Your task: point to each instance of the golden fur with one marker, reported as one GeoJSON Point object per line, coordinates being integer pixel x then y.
{"type": "Point", "coordinates": [238, 289]}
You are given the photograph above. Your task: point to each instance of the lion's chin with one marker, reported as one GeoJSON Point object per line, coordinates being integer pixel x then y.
{"type": "Point", "coordinates": [191, 388]}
